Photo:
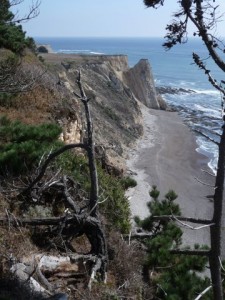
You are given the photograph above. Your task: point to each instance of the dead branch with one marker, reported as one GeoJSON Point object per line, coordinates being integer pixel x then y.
{"type": "Point", "coordinates": [52, 156]}
{"type": "Point", "coordinates": [174, 218]}
{"type": "Point", "coordinates": [203, 292]}
{"type": "Point", "coordinates": [19, 78]}
{"type": "Point", "coordinates": [77, 220]}
{"type": "Point", "coordinates": [94, 271]}
{"type": "Point", "coordinates": [32, 13]}
{"type": "Point", "coordinates": [68, 197]}
{"type": "Point", "coordinates": [191, 227]}
{"type": "Point", "coordinates": [94, 193]}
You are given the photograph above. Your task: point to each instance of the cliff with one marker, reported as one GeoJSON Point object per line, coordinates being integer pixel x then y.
{"type": "Point", "coordinates": [117, 122]}
{"type": "Point", "coordinates": [141, 82]}
{"type": "Point", "coordinates": [115, 91]}
{"type": "Point", "coordinates": [114, 88]}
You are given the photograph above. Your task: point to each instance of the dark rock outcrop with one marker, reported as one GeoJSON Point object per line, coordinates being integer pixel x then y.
{"type": "Point", "coordinates": [44, 49]}
{"type": "Point", "coordinates": [173, 90]}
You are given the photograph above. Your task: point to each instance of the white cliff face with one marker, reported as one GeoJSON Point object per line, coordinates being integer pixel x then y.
{"type": "Point", "coordinates": [141, 82]}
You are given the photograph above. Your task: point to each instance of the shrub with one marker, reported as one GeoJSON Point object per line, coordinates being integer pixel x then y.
{"type": "Point", "coordinates": [128, 182]}
{"type": "Point", "coordinates": [22, 145]}
{"type": "Point", "coordinates": [113, 203]}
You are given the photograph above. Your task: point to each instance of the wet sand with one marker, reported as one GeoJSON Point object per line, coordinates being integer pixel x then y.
{"type": "Point", "coordinates": [166, 156]}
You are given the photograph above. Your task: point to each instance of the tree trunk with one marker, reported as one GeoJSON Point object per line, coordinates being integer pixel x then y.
{"type": "Point", "coordinates": [215, 230]}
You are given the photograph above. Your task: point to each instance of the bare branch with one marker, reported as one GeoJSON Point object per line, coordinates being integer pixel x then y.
{"type": "Point", "coordinates": [32, 13]}
{"type": "Point", "coordinates": [52, 156]}
{"type": "Point", "coordinates": [94, 193]}
{"type": "Point", "coordinates": [174, 218]}
{"type": "Point", "coordinates": [191, 227]}
{"type": "Point", "coordinates": [68, 197]}
{"type": "Point", "coordinates": [203, 292]}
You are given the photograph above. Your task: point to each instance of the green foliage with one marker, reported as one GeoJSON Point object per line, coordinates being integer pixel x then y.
{"type": "Point", "coordinates": [113, 203]}
{"type": "Point", "coordinates": [160, 208]}
{"type": "Point", "coordinates": [12, 36]}
{"type": "Point", "coordinates": [128, 182]}
{"type": "Point", "coordinates": [22, 145]}
{"type": "Point", "coordinates": [154, 193]}
{"type": "Point", "coordinates": [175, 275]}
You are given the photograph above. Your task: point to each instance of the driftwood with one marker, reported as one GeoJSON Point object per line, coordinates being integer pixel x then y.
{"type": "Point", "coordinates": [42, 271]}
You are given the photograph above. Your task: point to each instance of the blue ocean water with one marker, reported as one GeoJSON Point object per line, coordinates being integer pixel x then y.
{"type": "Point", "coordinates": [200, 109]}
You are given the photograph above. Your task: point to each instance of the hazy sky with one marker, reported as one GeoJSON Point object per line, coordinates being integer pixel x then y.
{"type": "Point", "coordinates": [99, 18]}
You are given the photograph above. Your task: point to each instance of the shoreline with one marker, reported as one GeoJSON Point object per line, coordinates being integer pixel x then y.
{"type": "Point", "coordinates": [166, 156]}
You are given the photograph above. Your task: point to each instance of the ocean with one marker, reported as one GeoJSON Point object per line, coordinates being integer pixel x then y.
{"type": "Point", "coordinates": [200, 107]}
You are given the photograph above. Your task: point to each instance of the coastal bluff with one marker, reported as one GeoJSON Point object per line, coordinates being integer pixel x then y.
{"type": "Point", "coordinates": [138, 79]}
{"type": "Point", "coordinates": [115, 90]}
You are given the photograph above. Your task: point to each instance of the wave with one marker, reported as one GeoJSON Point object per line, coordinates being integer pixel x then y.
{"type": "Point", "coordinates": [208, 92]}
{"type": "Point", "coordinates": [97, 53]}
{"type": "Point", "coordinates": [210, 151]}
{"type": "Point", "coordinates": [212, 112]}
{"type": "Point", "coordinates": [77, 51]}
{"type": "Point", "coordinates": [73, 50]}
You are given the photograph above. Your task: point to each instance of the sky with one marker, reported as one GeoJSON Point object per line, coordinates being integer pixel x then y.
{"type": "Point", "coordinates": [100, 18]}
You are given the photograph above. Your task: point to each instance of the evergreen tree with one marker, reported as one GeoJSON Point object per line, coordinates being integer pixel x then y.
{"type": "Point", "coordinates": [174, 276]}
{"type": "Point", "coordinates": [12, 36]}
{"type": "Point", "coordinates": [205, 15]}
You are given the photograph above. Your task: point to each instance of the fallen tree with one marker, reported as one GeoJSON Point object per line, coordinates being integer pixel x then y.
{"type": "Point", "coordinates": [78, 218]}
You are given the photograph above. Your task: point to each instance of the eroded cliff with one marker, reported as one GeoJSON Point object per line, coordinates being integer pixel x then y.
{"type": "Point", "coordinates": [115, 91]}
{"type": "Point", "coordinates": [141, 82]}
{"type": "Point", "coordinates": [114, 88]}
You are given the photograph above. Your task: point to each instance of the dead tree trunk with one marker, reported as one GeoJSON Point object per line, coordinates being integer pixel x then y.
{"type": "Point", "coordinates": [79, 220]}
{"type": "Point", "coordinates": [90, 151]}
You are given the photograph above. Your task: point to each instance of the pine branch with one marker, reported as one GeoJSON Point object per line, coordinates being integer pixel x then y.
{"type": "Point", "coordinates": [191, 252]}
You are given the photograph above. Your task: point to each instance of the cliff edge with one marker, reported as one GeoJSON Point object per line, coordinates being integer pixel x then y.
{"type": "Point", "coordinates": [115, 91]}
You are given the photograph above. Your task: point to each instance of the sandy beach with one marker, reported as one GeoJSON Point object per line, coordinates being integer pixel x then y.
{"type": "Point", "coordinates": [166, 156]}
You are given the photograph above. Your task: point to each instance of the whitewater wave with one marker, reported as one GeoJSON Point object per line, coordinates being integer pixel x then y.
{"type": "Point", "coordinates": [208, 92]}
{"type": "Point", "coordinates": [97, 53]}
{"type": "Point", "coordinates": [212, 112]}
{"type": "Point", "coordinates": [210, 150]}
{"type": "Point", "coordinates": [73, 50]}
{"type": "Point", "coordinates": [79, 51]}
